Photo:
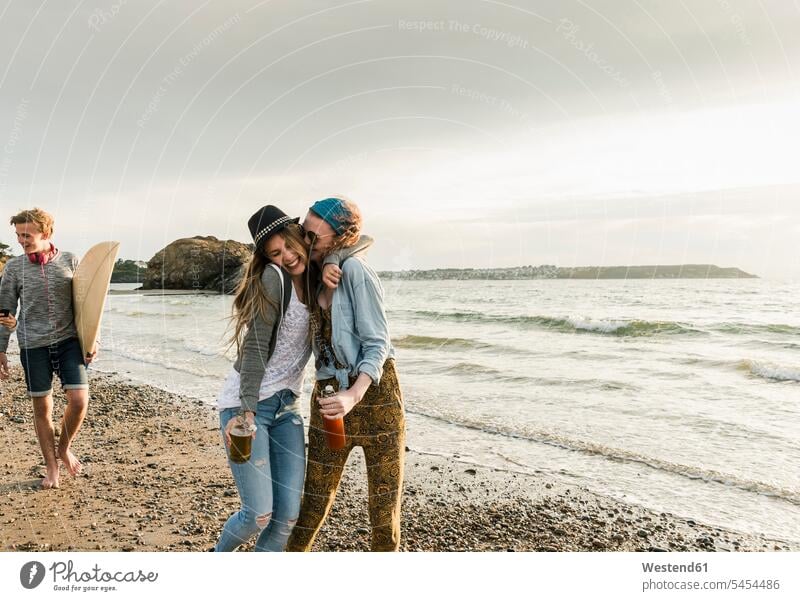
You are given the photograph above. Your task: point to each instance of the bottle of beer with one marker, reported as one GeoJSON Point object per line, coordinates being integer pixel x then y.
{"type": "Point", "coordinates": [334, 428]}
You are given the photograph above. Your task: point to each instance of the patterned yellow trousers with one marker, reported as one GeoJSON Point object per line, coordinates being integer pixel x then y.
{"type": "Point", "coordinates": [377, 424]}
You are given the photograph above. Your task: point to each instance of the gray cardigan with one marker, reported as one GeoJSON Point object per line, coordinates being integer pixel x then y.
{"type": "Point", "coordinates": [262, 334]}
{"type": "Point", "coordinates": [43, 294]}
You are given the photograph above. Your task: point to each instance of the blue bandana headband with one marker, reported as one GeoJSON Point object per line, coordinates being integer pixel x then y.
{"type": "Point", "coordinates": [333, 211]}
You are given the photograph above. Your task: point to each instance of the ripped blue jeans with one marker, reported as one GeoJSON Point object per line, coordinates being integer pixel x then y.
{"type": "Point", "coordinates": [271, 483]}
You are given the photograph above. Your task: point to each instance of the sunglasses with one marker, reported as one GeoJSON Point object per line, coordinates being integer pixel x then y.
{"type": "Point", "coordinates": [312, 237]}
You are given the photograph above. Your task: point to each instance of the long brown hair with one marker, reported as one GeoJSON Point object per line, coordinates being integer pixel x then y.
{"type": "Point", "coordinates": [250, 300]}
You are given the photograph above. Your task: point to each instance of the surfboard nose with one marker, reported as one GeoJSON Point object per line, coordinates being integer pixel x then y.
{"type": "Point", "coordinates": [89, 289]}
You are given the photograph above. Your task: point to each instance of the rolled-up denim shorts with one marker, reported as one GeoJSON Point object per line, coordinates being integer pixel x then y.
{"type": "Point", "coordinates": [63, 358]}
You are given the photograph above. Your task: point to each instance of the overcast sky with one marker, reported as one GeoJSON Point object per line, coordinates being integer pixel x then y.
{"type": "Point", "coordinates": [471, 132]}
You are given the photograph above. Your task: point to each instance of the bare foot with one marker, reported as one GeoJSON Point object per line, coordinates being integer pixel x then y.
{"type": "Point", "coordinates": [71, 462]}
{"type": "Point", "coordinates": [51, 479]}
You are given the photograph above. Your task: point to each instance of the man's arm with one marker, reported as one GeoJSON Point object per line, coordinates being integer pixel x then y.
{"type": "Point", "coordinates": [9, 299]}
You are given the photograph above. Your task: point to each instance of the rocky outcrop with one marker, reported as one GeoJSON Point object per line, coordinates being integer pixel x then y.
{"type": "Point", "coordinates": [3, 260]}
{"type": "Point", "coordinates": [199, 263]}
{"type": "Point", "coordinates": [5, 255]}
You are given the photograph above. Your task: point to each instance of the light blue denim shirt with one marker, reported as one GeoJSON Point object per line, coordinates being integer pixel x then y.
{"type": "Point", "coordinates": [360, 331]}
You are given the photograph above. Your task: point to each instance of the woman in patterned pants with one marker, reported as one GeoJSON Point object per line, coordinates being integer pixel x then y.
{"type": "Point", "coordinates": [353, 351]}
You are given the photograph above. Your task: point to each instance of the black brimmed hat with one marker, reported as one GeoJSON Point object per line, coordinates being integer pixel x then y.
{"type": "Point", "coordinates": [266, 221]}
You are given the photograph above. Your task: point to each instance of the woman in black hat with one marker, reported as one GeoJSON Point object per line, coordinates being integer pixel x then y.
{"type": "Point", "coordinates": [271, 333]}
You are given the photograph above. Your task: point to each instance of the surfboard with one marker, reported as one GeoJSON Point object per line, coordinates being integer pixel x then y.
{"type": "Point", "coordinates": [89, 288]}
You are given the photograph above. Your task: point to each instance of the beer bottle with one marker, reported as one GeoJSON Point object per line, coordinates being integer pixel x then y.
{"type": "Point", "coordinates": [334, 428]}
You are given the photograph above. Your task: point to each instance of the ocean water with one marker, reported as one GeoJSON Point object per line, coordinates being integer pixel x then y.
{"type": "Point", "coordinates": [682, 396]}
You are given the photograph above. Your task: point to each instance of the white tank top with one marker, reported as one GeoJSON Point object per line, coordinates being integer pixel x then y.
{"type": "Point", "coordinates": [287, 364]}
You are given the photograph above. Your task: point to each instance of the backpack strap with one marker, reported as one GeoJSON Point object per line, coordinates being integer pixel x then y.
{"type": "Point", "coordinates": [287, 291]}
{"type": "Point", "coordinates": [286, 288]}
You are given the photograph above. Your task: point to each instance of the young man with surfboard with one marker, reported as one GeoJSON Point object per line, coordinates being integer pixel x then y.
{"type": "Point", "coordinates": [40, 282]}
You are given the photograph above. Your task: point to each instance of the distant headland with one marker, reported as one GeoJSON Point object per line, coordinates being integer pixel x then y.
{"type": "Point", "coordinates": [551, 272]}
{"type": "Point", "coordinates": [206, 263]}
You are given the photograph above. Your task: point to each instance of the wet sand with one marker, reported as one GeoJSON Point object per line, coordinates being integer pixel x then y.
{"type": "Point", "coordinates": [155, 478]}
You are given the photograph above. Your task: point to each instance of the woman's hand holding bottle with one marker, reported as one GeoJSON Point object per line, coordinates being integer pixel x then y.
{"type": "Point", "coordinates": [339, 404]}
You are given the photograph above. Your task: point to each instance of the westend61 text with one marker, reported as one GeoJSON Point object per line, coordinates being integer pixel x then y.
{"type": "Point", "coordinates": [66, 572]}
{"type": "Point", "coordinates": [675, 567]}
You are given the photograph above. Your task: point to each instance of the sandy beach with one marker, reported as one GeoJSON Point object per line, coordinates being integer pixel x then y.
{"type": "Point", "coordinates": [155, 479]}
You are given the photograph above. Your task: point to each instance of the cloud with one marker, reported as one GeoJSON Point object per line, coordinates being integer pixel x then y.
{"type": "Point", "coordinates": [496, 136]}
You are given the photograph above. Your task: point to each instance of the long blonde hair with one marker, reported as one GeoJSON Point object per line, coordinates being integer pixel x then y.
{"type": "Point", "coordinates": [250, 300]}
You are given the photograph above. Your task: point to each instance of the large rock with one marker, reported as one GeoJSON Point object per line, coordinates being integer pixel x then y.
{"type": "Point", "coordinates": [3, 260]}
{"type": "Point", "coordinates": [199, 263]}
{"type": "Point", "coordinates": [5, 255]}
